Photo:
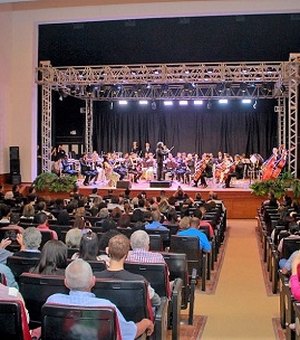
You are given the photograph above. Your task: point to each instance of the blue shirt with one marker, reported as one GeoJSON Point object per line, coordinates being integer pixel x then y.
{"type": "Point", "coordinates": [156, 226]}
{"type": "Point", "coordinates": [203, 240]}
{"type": "Point", "coordinates": [86, 299]}
{"type": "Point", "coordinates": [10, 279]}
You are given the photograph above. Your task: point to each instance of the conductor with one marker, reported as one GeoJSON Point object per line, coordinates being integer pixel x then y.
{"type": "Point", "coordinates": [161, 150]}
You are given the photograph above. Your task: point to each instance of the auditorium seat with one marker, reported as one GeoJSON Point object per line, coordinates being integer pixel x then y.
{"type": "Point", "coordinates": [13, 320]}
{"type": "Point", "coordinates": [196, 258]}
{"type": "Point", "coordinates": [36, 288]}
{"type": "Point", "coordinates": [132, 299]}
{"type": "Point", "coordinates": [19, 265]}
{"type": "Point", "coordinates": [73, 322]}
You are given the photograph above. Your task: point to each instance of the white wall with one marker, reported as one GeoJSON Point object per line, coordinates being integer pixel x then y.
{"type": "Point", "coordinates": [18, 57]}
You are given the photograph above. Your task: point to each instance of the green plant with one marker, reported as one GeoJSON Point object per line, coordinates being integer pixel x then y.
{"type": "Point", "coordinates": [51, 182]}
{"type": "Point", "coordinates": [278, 186]}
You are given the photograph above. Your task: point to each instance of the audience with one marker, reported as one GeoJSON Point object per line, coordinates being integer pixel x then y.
{"type": "Point", "coordinates": [30, 242]}
{"type": "Point", "coordinates": [80, 280]}
{"type": "Point", "coordinates": [88, 248]}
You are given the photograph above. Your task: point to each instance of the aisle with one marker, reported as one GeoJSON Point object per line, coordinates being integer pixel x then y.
{"type": "Point", "coordinates": [240, 309]}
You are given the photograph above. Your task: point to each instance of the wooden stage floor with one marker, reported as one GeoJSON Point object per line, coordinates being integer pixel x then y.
{"type": "Point", "coordinates": [238, 199]}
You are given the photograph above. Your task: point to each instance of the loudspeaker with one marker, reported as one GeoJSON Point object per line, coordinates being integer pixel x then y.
{"type": "Point", "coordinates": [14, 166]}
{"type": "Point", "coordinates": [160, 184]}
{"type": "Point", "coordinates": [14, 152]}
{"type": "Point", "coordinates": [15, 179]}
{"type": "Point", "coordinates": [123, 185]}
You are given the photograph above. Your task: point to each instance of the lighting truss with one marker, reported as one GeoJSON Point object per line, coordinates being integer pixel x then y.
{"type": "Point", "coordinates": [254, 80]}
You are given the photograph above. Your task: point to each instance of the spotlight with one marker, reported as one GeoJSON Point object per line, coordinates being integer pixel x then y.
{"type": "Point", "coordinates": [188, 87]}
{"type": "Point", "coordinates": [246, 101]}
{"type": "Point", "coordinates": [168, 103]}
{"type": "Point", "coordinates": [220, 88]}
{"type": "Point", "coordinates": [123, 102]}
{"type": "Point", "coordinates": [223, 101]}
{"type": "Point", "coordinates": [198, 102]}
{"type": "Point", "coordinates": [143, 102]}
{"type": "Point", "coordinates": [183, 102]}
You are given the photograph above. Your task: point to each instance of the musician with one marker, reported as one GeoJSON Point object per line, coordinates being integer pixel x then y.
{"type": "Point", "coordinates": [57, 153]}
{"type": "Point", "coordinates": [135, 148]}
{"type": "Point", "coordinates": [236, 169]}
{"type": "Point", "coordinates": [86, 170]}
{"type": "Point", "coordinates": [134, 167]}
{"type": "Point", "coordinates": [120, 168]}
{"type": "Point", "coordinates": [181, 167]}
{"type": "Point", "coordinates": [147, 149]}
{"type": "Point", "coordinates": [161, 151]}
{"type": "Point", "coordinates": [201, 172]}
{"type": "Point", "coordinates": [190, 167]}
{"type": "Point", "coordinates": [149, 166]}
{"type": "Point", "coordinates": [67, 166]}
{"type": "Point", "coordinates": [170, 166]}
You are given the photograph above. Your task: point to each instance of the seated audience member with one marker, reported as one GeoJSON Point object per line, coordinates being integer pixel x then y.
{"type": "Point", "coordinates": [103, 244]}
{"type": "Point", "coordinates": [73, 238]}
{"type": "Point", "coordinates": [103, 213]}
{"type": "Point", "coordinates": [42, 221]}
{"type": "Point", "coordinates": [5, 215]}
{"type": "Point", "coordinates": [193, 230]}
{"type": "Point", "coordinates": [293, 229]}
{"type": "Point", "coordinates": [294, 279]}
{"type": "Point", "coordinates": [28, 209]}
{"type": "Point", "coordinates": [30, 242]}
{"type": "Point", "coordinates": [53, 260]}
{"type": "Point", "coordinates": [155, 224]}
{"type": "Point", "coordinates": [81, 224]}
{"type": "Point", "coordinates": [4, 253]}
{"type": "Point", "coordinates": [14, 221]}
{"type": "Point", "coordinates": [118, 247]}
{"type": "Point", "coordinates": [286, 264]}
{"type": "Point", "coordinates": [108, 224]}
{"type": "Point", "coordinates": [198, 213]}
{"type": "Point", "coordinates": [10, 279]}
{"type": "Point", "coordinates": [41, 209]}
{"type": "Point", "coordinates": [80, 280]}
{"type": "Point", "coordinates": [140, 242]}
{"type": "Point", "coordinates": [88, 248]}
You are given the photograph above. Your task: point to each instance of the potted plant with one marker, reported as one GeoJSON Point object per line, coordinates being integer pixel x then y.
{"type": "Point", "coordinates": [48, 181]}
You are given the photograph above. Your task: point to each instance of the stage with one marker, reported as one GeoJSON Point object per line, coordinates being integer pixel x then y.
{"type": "Point", "coordinates": [238, 199]}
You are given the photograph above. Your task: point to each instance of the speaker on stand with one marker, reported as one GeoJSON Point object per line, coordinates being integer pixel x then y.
{"type": "Point", "coordinates": [14, 165]}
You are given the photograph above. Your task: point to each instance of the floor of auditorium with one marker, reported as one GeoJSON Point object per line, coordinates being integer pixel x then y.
{"type": "Point", "coordinates": [240, 308]}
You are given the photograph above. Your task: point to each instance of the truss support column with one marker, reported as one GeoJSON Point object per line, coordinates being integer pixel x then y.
{"type": "Point", "coordinates": [293, 112]}
{"type": "Point", "coordinates": [46, 127]}
{"type": "Point", "coordinates": [281, 104]}
{"type": "Point", "coordinates": [89, 125]}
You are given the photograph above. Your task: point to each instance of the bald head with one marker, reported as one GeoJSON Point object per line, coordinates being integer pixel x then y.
{"type": "Point", "coordinates": [79, 276]}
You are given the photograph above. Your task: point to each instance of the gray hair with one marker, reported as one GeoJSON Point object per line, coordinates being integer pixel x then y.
{"type": "Point", "coordinates": [103, 213]}
{"type": "Point", "coordinates": [73, 238]}
{"type": "Point", "coordinates": [32, 238]}
{"type": "Point", "coordinates": [139, 240]}
{"type": "Point", "coordinates": [78, 275]}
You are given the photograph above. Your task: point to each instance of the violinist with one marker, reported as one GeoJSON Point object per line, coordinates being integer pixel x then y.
{"type": "Point", "coordinates": [181, 168]}
{"type": "Point", "coordinates": [86, 170]}
{"type": "Point", "coordinates": [135, 148]}
{"type": "Point", "coordinates": [170, 166]}
{"type": "Point", "coordinates": [134, 167]}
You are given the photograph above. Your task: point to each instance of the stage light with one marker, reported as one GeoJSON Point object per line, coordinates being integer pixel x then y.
{"type": "Point", "coordinates": [246, 101]}
{"type": "Point", "coordinates": [143, 102]}
{"type": "Point", "coordinates": [183, 102]}
{"type": "Point", "coordinates": [164, 88]}
{"type": "Point", "coordinates": [223, 101]}
{"type": "Point", "coordinates": [198, 102]}
{"type": "Point", "coordinates": [254, 104]}
{"type": "Point", "coordinates": [123, 102]}
{"type": "Point", "coordinates": [243, 87]}
{"type": "Point", "coordinates": [153, 105]}
{"type": "Point", "coordinates": [168, 103]}
{"type": "Point", "coordinates": [209, 105]}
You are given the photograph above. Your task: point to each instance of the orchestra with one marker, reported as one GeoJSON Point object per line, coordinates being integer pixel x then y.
{"type": "Point", "coordinates": [187, 168]}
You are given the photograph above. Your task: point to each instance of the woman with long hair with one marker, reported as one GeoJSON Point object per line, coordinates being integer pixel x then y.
{"type": "Point", "coordinates": [53, 260]}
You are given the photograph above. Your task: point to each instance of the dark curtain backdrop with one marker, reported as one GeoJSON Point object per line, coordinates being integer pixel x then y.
{"type": "Point", "coordinates": [234, 128]}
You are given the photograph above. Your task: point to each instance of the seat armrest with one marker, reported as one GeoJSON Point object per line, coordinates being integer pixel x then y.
{"type": "Point", "coordinates": [192, 296]}
{"type": "Point", "coordinates": [175, 309]}
{"type": "Point", "coordinates": [161, 321]}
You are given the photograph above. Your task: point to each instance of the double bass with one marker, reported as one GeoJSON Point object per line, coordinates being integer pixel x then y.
{"type": "Point", "coordinates": [273, 166]}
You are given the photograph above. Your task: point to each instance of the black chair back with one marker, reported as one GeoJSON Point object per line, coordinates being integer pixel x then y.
{"type": "Point", "coordinates": [13, 320]}
{"type": "Point", "coordinates": [19, 265]}
{"type": "Point", "coordinates": [36, 289]}
{"type": "Point", "coordinates": [73, 322]}
{"type": "Point", "coordinates": [156, 242]}
{"type": "Point", "coordinates": [131, 297]}
{"type": "Point", "coordinates": [289, 246]}
{"type": "Point", "coordinates": [155, 273]}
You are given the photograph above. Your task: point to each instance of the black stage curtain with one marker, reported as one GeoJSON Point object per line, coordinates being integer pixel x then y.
{"type": "Point", "coordinates": [234, 128]}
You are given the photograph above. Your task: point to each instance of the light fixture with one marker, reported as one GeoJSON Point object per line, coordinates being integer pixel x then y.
{"type": "Point", "coordinates": [223, 101]}
{"type": "Point", "coordinates": [153, 105]}
{"type": "Point", "coordinates": [168, 103]}
{"type": "Point", "coordinates": [198, 102]}
{"type": "Point", "coordinates": [246, 101]}
{"type": "Point", "coordinates": [243, 87]}
{"type": "Point", "coordinates": [209, 105]}
{"type": "Point", "coordinates": [183, 102]}
{"type": "Point", "coordinates": [143, 102]}
{"type": "Point", "coordinates": [123, 102]}
{"type": "Point", "coordinates": [254, 104]}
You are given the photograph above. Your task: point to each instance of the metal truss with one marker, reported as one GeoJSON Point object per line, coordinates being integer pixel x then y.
{"type": "Point", "coordinates": [281, 112]}
{"type": "Point", "coordinates": [89, 125]}
{"type": "Point", "coordinates": [294, 76]}
{"type": "Point", "coordinates": [254, 80]}
{"type": "Point", "coordinates": [46, 127]}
